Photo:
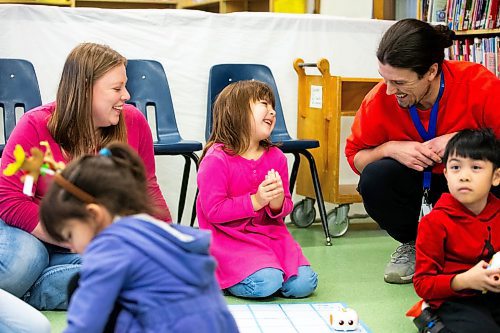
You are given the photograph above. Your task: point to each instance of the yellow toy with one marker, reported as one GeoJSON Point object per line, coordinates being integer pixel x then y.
{"type": "Point", "coordinates": [37, 164]}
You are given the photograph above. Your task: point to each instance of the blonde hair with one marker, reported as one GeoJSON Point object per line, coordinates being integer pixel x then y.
{"type": "Point", "coordinates": [232, 116]}
{"type": "Point", "coordinates": [72, 124]}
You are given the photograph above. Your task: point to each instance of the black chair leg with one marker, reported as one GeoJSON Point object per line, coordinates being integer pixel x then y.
{"type": "Point", "coordinates": [319, 195]}
{"type": "Point", "coordinates": [295, 170]}
{"type": "Point", "coordinates": [185, 180]}
{"type": "Point", "coordinates": [196, 161]}
{"type": "Point", "coordinates": [193, 213]}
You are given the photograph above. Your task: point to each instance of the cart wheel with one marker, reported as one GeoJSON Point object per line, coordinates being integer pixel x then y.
{"type": "Point", "coordinates": [338, 220]}
{"type": "Point", "coordinates": [304, 214]}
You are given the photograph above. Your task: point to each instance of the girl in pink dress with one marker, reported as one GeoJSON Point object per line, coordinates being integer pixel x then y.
{"type": "Point", "coordinates": [244, 196]}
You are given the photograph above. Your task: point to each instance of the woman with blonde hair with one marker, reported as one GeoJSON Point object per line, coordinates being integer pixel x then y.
{"type": "Point", "coordinates": [89, 112]}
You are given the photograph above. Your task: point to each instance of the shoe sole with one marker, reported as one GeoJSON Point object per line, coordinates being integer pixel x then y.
{"type": "Point", "coordinates": [396, 279]}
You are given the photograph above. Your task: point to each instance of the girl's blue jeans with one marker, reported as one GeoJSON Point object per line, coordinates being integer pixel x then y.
{"type": "Point", "coordinates": [267, 281]}
{"type": "Point", "coordinates": [34, 271]}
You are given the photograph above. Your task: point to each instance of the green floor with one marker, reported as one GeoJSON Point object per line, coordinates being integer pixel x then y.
{"type": "Point", "coordinates": [350, 271]}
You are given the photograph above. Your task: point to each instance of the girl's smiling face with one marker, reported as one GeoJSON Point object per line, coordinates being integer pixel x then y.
{"type": "Point", "coordinates": [264, 120]}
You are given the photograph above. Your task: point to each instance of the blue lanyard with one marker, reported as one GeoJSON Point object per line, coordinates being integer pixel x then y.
{"type": "Point", "coordinates": [431, 133]}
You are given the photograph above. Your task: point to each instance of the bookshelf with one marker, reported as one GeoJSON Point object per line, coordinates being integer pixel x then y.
{"type": "Point", "coordinates": [477, 32]}
{"type": "Point", "coordinates": [116, 4]}
{"type": "Point", "coordinates": [477, 27]}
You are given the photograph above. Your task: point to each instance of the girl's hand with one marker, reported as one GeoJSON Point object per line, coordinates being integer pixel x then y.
{"type": "Point", "coordinates": [269, 189]}
{"type": "Point", "coordinates": [479, 278]}
{"type": "Point", "coordinates": [277, 202]}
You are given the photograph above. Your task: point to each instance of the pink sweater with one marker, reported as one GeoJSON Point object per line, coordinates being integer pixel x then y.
{"type": "Point", "coordinates": [245, 241]}
{"type": "Point", "coordinates": [19, 210]}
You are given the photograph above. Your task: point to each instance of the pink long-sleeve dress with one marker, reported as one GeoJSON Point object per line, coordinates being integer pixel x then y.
{"type": "Point", "coordinates": [244, 240]}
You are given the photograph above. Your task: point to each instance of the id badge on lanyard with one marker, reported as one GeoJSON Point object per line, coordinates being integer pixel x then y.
{"type": "Point", "coordinates": [426, 136]}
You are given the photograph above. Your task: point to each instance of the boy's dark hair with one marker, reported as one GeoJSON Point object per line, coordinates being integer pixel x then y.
{"type": "Point", "coordinates": [117, 181]}
{"type": "Point", "coordinates": [415, 45]}
{"type": "Point", "coordinates": [480, 144]}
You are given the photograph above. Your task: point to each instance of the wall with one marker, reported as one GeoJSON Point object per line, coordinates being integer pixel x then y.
{"type": "Point", "coordinates": [188, 43]}
{"type": "Point", "coordinates": [353, 9]}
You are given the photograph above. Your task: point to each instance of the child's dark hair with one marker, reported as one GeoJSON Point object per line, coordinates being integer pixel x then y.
{"type": "Point", "coordinates": [115, 180]}
{"type": "Point", "coordinates": [232, 115]}
{"type": "Point", "coordinates": [480, 144]}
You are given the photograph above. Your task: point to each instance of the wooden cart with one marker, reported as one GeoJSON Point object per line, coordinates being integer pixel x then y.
{"type": "Point", "coordinates": [322, 101]}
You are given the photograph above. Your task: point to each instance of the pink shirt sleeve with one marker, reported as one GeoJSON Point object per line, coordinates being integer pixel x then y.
{"type": "Point", "coordinates": [20, 210]}
{"type": "Point", "coordinates": [214, 186]}
{"type": "Point", "coordinates": [140, 137]}
{"type": "Point", "coordinates": [16, 208]}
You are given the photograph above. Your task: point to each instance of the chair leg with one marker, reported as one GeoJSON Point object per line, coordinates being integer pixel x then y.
{"type": "Point", "coordinates": [184, 184]}
{"type": "Point", "coordinates": [295, 170]}
{"type": "Point", "coordinates": [196, 161]}
{"type": "Point", "coordinates": [193, 213]}
{"type": "Point", "coordinates": [319, 194]}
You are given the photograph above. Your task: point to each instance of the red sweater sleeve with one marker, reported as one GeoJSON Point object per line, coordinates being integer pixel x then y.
{"type": "Point", "coordinates": [429, 280]}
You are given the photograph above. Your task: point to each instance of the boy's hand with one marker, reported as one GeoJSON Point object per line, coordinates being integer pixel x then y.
{"type": "Point", "coordinates": [479, 278]}
{"type": "Point", "coordinates": [270, 189]}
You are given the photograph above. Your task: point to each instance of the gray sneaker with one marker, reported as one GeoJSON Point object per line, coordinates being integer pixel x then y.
{"type": "Point", "coordinates": [402, 265]}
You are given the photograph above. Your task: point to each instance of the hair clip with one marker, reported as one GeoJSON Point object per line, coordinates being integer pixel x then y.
{"type": "Point", "coordinates": [39, 163]}
{"type": "Point", "coordinates": [73, 189]}
{"type": "Point", "coordinates": [105, 152]}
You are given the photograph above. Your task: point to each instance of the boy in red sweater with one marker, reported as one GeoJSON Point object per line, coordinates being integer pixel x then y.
{"type": "Point", "coordinates": [460, 235]}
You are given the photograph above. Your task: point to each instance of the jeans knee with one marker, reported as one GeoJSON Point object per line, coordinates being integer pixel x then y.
{"type": "Point", "coordinates": [50, 291]}
{"type": "Point", "coordinates": [262, 283]}
{"type": "Point", "coordinates": [301, 285]}
{"type": "Point", "coordinates": [20, 267]}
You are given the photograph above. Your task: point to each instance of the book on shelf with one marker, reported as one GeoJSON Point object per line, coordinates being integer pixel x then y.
{"type": "Point", "coordinates": [461, 14]}
{"type": "Point", "coordinates": [484, 51]}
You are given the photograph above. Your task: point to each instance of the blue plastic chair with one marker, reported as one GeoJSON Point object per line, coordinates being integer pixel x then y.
{"type": "Point", "coordinates": [18, 88]}
{"type": "Point", "coordinates": [148, 86]}
{"type": "Point", "coordinates": [224, 74]}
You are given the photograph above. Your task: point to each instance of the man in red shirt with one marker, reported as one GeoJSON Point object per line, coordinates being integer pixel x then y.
{"type": "Point", "coordinates": [403, 125]}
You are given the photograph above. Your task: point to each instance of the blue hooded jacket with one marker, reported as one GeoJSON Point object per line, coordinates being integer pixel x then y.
{"type": "Point", "coordinates": [161, 275]}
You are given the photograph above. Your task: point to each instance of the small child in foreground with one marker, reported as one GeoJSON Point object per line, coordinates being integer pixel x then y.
{"type": "Point", "coordinates": [160, 275]}
{"type": "Point", "coordinates": [459, 236]}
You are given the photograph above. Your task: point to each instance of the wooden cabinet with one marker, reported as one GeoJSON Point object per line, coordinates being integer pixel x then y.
{"type": "Point", "coordinates": [120, 4]}
{"type": "Point", "coordinates": [322, 101]}
{"type": "Point", "coordinates": [68, 3]}
{"type": "Point", "coordinates": [127, 4]}
{"type": "Point", "coordinates": [226, 6]}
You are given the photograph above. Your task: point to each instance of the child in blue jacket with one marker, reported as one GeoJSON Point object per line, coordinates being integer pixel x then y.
{"type": "Point", "coordinates": [160, 276]}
